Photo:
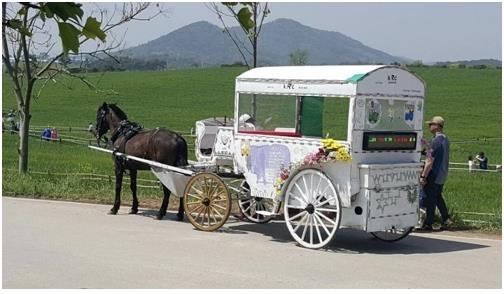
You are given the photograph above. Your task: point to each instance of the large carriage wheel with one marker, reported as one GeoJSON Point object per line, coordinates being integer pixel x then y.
{"type": "Point", "coordinates": [249, 205]}
{"type": "Point", "coordinates": [393, 234]}
{"type": "Point", "coordinates": [206, 201]}
{"type": "Point", "coordinates": [312, 208]}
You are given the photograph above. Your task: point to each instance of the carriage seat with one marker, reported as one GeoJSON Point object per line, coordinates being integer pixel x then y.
{"type": "Point", "coordinates": [206, 131]}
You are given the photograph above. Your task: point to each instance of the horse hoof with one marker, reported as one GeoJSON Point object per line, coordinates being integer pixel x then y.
{"type": "Point", "coordinates": [159, 217]}
{"type": "Point", "coordinates": [112, 211]}
{"type": "Point", "coordinates": [133, 211]}
{"type": "Point", "coordinates": [180, 217]}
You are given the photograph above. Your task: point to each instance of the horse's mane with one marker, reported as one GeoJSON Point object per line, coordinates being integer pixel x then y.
{"type": "Point", "coordinates": [118, 111]}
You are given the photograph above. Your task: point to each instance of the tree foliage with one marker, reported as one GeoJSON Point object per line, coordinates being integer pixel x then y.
{"type": "Point", "coordinates": [298, 57]}
{"type": "Point", "coordinates": [23, 22]}
{"type": "Point", "coordinates": [250, 17]}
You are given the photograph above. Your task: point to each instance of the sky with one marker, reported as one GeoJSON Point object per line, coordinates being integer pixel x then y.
{"type": "Point", "coordinates": [421, 31]}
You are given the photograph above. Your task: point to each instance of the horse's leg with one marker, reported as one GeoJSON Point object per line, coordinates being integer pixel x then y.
{"type": "Point", "coordinates": [133, 186]}
{"type": "Point", "coordinates": [180, 214]}
{"type": "Point", "coordinates": [164, 205]}
{"type": "Point", "coordinates": [117, 202]}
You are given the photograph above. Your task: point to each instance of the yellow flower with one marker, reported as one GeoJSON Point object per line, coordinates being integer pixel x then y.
{"type": "Point", "coordinates": [336, 145]}
{"type": "Point", "coordinates": [245, 150]}
{"type": "Point", "coordinates": [327, 142]}
{"type": "Point", "coordinates": [343, 155]}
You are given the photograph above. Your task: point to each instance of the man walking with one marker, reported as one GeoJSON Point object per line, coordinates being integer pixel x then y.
{"type": "Point", "coordinates": [434, 175]}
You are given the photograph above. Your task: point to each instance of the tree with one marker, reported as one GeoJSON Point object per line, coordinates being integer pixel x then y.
{"type": "Point", "coordinates": [298, 57]}
{"type": "Point", "coordinates": [24, 24]}
{"type": "Point", "coordinates": [250, 16]}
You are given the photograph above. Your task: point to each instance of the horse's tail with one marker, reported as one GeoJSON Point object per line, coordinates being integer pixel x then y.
{"type": "Point", "coordinates": [181, 152]}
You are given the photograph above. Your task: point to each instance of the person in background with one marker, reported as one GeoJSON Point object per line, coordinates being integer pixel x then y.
{"type": "Point", "coordinates": [483, 160]}
{"type": "Point", "coordinates": [91, 128]}
{"type": "Point", "coordinates": [46, 134]}
{"type": "Point", "coordinates": [470, 163]}
{"type": "Point", "coordinates": [54, 135]}
{"type": "Point", "coordinates": [434, 176]}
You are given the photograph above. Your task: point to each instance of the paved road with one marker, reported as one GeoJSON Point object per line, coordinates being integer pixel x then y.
{"type": "Point", "coordinates": [49, 244]}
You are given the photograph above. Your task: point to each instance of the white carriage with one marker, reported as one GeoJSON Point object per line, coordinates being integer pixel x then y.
{"type": "Point", "coordinates": [339, 146]}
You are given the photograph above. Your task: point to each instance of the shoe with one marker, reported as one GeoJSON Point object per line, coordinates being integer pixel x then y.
{"type": "Point", "coordinates": [424, 229]}
{"type": "Point", "coordinates": [447, 224]}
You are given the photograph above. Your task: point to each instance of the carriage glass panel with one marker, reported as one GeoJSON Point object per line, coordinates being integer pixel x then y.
{"type": "Point", "coordinates": [324, 117]}
{"type": "Point", "coordinates": [390, 124]}
{"type": "Point", "coordinates": [267, 114]}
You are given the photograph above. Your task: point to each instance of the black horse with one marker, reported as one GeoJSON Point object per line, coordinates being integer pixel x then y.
{"type": "Point", "coordinates": [160, 145]}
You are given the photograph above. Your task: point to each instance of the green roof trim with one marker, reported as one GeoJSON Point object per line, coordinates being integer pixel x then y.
{"type": "Point", "coordinates": [355, 78]}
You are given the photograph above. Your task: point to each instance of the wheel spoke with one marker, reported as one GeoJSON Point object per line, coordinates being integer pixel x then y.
{"type": "Point", "coordinates": [318, 186]}
{"type": "Point", "coordinates": [300, 222]}
{"type": "Point", "coordinates": [213, 214]}
{"type": "Point", "coordinates": [192, 203]}
{"type": "Point", "coordinates": [294, 207]}
{"type": "Point", "coordinates": [302, 213]}
{"type": "Point", "coordinates": [317, 228]}
{"type": "Point", "coordinates": [200, 193]}
{"type": "Point", "coordinates": [244, 202]}
{"type": "Point", "coordinates": [323, 203]}
{"type": "Point", "coordinates": [302, 194]}
{"type": "Point", "coordinates": [322, 224]}
{"type": "Point", "coordinates": [217, 211]}
{"type": "Point", "coordinates": [327, 210]}
{"type": "Point", "coordinates": [308, 196]}
{"type": "Point", "coordinates": [305, 228]}
{"type": "Point", "coordinates": [196, 218]}
{"type": "Point", "coordinates": [326, 218]}
{"type": "Point", "coordinates": [297, 198]}
{"type": "Point", "coordinates": [311, 229]}
{"type": "Point", "coordinates": [194, 210]}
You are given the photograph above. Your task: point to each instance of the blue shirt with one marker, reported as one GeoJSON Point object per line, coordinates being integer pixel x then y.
{"type": "Point", "coordinates": [440, 152]}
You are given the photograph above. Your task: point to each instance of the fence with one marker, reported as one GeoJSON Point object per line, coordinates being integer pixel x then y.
{"type": "Point", "coordinates": [35, 132]}
{"type": "Point", "coordinates": [93, 177]}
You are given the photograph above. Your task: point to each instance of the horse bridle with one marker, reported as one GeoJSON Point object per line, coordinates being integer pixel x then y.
{"type": "Point", "coordinates": [99, 125]}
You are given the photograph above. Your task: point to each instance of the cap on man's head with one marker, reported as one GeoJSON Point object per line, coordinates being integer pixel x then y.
{"type": "Point", "coordinates": [436, 120]}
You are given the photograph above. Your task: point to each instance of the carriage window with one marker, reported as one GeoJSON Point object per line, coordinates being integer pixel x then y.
{"type": "Point", "coordinates": [267, 114]}
{"type": "Point", "coordinates": [324, 117]}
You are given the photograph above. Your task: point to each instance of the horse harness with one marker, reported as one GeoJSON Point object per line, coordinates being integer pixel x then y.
{"type": "Point", "coordinates": [126, 129]}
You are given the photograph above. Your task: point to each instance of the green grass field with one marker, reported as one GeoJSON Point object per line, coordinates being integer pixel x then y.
{"type": "Point", "coordinates": [469, 100]}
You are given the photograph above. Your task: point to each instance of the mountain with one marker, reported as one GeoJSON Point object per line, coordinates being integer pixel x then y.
{"type": "Point", "coordinates": [205, 44]}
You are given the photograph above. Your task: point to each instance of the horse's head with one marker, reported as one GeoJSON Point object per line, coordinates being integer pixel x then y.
{"type": "Point", "coordinates": [102, 124]}
{"type": "Point", "coordinates": [108, 117]}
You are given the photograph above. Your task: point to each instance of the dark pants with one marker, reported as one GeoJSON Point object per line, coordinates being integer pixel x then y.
{"type": "Point", "coordinates": [433, 199]}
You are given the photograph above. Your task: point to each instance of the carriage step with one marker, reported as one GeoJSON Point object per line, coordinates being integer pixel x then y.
{"type": "Point", "coordinates": [266, 213]}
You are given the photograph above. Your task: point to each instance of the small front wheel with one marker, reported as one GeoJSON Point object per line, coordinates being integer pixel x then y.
{"type": "Point", "coordinates": [256, 209]}
{"type": "Point", "coordinates": [207, 201]}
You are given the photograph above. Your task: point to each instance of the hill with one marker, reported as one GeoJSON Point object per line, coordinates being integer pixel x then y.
{"type": "Point", "coordinates": [204, 44]}
{"type": "Point", "coordinates": [473, 63]}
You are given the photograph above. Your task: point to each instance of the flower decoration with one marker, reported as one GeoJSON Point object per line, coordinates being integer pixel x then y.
{"type": "Point", "coordinates": [245, 149]}
{"type": "Point", "coordinates": [331, 151]}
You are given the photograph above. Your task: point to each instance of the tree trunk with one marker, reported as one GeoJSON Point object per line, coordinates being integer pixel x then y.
{"type": "Point", "coordinates": [23, 141]}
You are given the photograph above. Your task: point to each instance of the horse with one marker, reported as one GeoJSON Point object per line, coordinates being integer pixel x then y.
{"type": "Point", "coordinates": [160, 145]}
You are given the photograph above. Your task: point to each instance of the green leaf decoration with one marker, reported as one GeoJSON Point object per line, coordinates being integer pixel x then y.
{"type": "Point", "coordinates": [69, 37]}
{"type": "Point", "coordinates": [244, 18]}
{"type": "Point", "coordinates": [14, 24]}
{"type": "Point", "coordinates": [92, 29]}
{"type": "Point", "coordinates": [229, 4]}
{"type": "Point", "coordinates": [64, 10]}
